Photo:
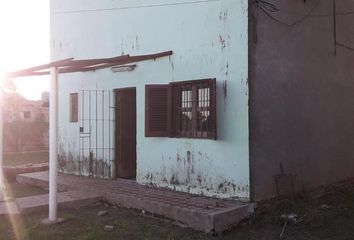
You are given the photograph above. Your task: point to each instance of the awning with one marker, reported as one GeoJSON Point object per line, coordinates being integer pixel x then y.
{"type": "Point", "coordinates": [54, 69]}
{"type": "Point", "coordinates": [71, 65]}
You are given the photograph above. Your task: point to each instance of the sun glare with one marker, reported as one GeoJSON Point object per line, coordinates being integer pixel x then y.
{"type": "Point", "coordinates": [2, 78]}
{"type": "Point", "coordinates": [24, 41]}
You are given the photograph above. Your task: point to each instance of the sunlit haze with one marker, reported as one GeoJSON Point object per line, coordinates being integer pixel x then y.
{"type": "Point", "coordinates": [24, 41]}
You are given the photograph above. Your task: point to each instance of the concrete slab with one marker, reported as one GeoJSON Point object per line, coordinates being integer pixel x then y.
{"type": "Point", "coordinates": [39, 179]}
{"type": "Point", "coordinates": [198, 212]}
{"type": "Point", "coordinates": [12, 171]}
{"type": "Point", "coordinates": [8, 208]}
{"type": "Point", "coordinates": [68, 199]}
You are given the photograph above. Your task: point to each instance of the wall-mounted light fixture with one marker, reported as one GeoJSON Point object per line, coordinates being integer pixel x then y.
{"type": "Point", "coordinates": [124, 68]}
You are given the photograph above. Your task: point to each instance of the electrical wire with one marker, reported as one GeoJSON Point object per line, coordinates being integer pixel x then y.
{"type": "Point", "coordinates": [135, 7]}
{"type": "Point", "coordinates": [302, 15]}
{"type": "Point", "coordinates": [320, 14]}
{"type": "Point", "coordinates": [269, 8]}
{"type": "Point", "coordinates": [345, 46]}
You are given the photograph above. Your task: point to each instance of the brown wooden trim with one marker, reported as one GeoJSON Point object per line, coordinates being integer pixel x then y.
{"type": "Point", "coordinates": [164, 131]}
{"type": "Point", "coordinates": [213, 109]}
{"type": "Point", "coordinates": [69, 65]}
{"type": "Point", "coordinates": [74, 108]}
{"type": "Point", "coordinates": [196, 81]}
{"type": "Point", "coordinates": [193, 133]}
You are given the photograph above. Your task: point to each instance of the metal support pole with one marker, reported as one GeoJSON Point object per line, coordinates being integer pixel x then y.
{"type": "Point", "coordinates": [53, 144]}
{"type": "Point", "coordinates": [2, 179]}
{"type": "Point", "coordinates": [335, 27]}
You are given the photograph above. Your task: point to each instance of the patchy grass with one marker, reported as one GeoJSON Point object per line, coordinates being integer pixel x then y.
{"type": "Point", "coordinates": [18, 159]}
{"type": "Point", "coordinates": [333, 222]}
{"type": "Point", "coordinates": [84, 224]}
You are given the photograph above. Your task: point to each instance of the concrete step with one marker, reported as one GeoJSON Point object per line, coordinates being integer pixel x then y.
{"type": "Point", "coordinates": [207, 220]}
{"type": "Point", "coordinates": [227, 218]}
{"type": "Point", "coordinates": [70, 199]}
{"type": "Point", "coordinates": [39, 179]}
{"type": "Point", "coordinates": [12, 171]}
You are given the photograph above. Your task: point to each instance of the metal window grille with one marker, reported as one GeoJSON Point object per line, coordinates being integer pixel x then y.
{"type": "Point", "coordinates": [97, 133]}
{"type": "Point", "coordinates": [192, 107]}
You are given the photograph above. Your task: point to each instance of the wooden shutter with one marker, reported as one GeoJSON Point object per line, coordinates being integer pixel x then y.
{"type": "Point", "coordinates": [157, 110]}
{"type": "Point", "coordinates": [213, 110]}
{"type": "Point", "coordinates": [74, 107]}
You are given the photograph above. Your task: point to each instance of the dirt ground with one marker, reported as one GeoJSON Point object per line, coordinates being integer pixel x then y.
{"type": "Point", "coordinates": [329, 218]}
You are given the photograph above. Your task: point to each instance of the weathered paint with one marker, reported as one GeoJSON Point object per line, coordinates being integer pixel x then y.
{"type": "Point", "coordinates": [301, 97]}
{"type": "Point", "coordinates": [209, 40]}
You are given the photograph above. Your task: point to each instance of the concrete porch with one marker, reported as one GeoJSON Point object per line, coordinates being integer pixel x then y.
{"type": "Point", "coordinates": [201, 213]}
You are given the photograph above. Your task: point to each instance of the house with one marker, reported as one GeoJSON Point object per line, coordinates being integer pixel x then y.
{"type": "Point", "coordinates": [116, 122]}
{"type": "Point", "coordinates": [25, 123]}
{"type": "Point", "coordinates": [18, 108]}
{"type": "Point", "coordinates": [252, 91]}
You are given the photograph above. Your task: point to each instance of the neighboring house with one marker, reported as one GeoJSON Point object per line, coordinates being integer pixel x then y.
{"type": "Point", "coordinates": [26, 123]}
{"type": "Point", "coordinates": [273, 99]}
{"type": "Point", "coordinates": [18, 108]}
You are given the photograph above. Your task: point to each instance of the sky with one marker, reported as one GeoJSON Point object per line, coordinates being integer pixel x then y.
{"type": "Point", "coordinates": [24, 42]}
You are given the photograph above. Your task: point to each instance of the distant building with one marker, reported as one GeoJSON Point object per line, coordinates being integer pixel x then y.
{"type": "Point", "coordinates": [18, 108]}
{"type": "Point", "coordinates": [26, 124]}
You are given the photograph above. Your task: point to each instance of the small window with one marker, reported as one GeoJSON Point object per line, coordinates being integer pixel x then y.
{"type": "Point", "coordinates": [74, 110]}
{"type": "Point", "coordinates": [26, 114]}
{"type": "Point", "coordinates": [181, 109]}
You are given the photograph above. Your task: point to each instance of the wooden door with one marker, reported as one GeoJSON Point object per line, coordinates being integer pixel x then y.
{"type": "Point", "coordinates": [125, 134]}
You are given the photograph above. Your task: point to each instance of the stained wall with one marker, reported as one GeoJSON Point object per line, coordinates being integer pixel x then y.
{"type": "Point", "coordinates": [209, 39]}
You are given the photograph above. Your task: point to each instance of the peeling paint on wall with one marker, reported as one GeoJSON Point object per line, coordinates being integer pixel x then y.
{"type": "Point", "coordinates": [85, 166]}
{"type": "Point", "coordinates": [191, 174]}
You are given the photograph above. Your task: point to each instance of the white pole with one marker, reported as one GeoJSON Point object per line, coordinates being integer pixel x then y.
{"type": "Point", "coordinates": [53, 144]}
{"type": "Point", "coordinates": [2, 180]}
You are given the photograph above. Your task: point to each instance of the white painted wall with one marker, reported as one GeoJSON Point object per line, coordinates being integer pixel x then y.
{"type": "Point", "coordinates": [209, 40]}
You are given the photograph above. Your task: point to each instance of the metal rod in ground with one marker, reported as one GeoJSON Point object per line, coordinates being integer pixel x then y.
{"type": "Point", "coordinates": [283, 230]}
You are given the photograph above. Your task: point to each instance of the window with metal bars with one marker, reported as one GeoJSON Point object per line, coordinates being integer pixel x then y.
{"type": "Point", "coordinates": [181, 109]}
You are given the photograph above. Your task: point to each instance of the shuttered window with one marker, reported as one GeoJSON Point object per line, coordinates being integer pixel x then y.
{"type": "Point", "coordinates": [157, 110]}
{"type": "Point", "coordinates": [182, 109]}
{"type": "Point", "coordinates": [74, 107]}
